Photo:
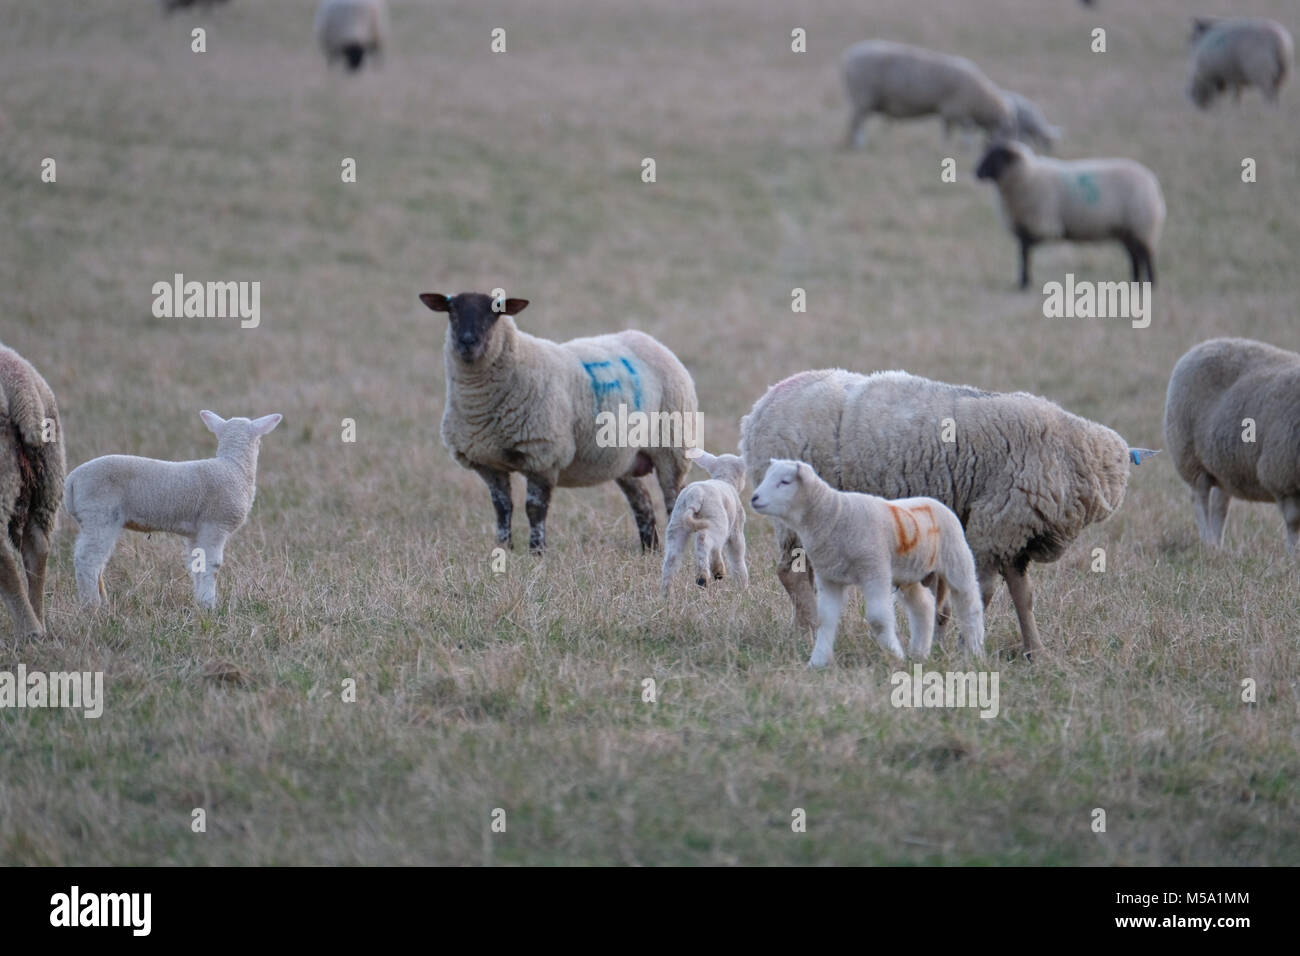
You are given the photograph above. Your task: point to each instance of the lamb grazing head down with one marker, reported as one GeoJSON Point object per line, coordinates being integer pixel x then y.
{"type": "Point", "coordinates": [473, 321]}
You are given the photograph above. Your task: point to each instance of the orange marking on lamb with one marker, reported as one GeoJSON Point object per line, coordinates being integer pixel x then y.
{"type": "Point", "coordinates": [905, 542]}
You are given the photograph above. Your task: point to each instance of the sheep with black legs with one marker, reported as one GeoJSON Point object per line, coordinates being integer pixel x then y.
{"type": "Point", "coordinates": [1082, 200]}
{"type": "Point", "coordinates": [519, 403]}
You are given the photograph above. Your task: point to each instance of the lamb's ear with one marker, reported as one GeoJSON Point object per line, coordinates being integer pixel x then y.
{"type": "Point", "coordinates": [435, 301]}
{"type": "Point", "coordinates": [514, 306]}
{"type": "Point", "coordinates": [212, 420]}
{"type": "Point", "coordinates": [704, 459]}
{"type": "Point", "coordinates": [266, 423]}
{"type": "Point", "coordinates": [802, 471]}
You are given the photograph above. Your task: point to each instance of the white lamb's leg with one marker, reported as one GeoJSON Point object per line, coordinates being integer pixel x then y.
{"type": "Point", "coordinates": [830, 602]}
{"type": "Point", "coordinates": [674, 547]}
{"type": "Point", "coordinates": [94, 547]}
{"type": "Point", "coordinates": [969, 611]}
{"type": "Point", "coordinates": [918, 602]}
{"type": "Point", "coordinates": [211, 545]}
{"type": "Point", "coordinates": [736, 557]}
{"type": "Point", "coordinates": [703, 558]}
{"type": "Point", "coordinates": [880, 616]}
{"type": "Point", "coordinates": [1218, 513]}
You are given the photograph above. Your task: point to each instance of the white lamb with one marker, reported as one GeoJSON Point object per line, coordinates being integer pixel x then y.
{"type": "Point", "coordinates": [713, 512]}
{"type": "Point", "coordinates": [205, 501]}
{"type": "Point", "coordinates": [876, 544]}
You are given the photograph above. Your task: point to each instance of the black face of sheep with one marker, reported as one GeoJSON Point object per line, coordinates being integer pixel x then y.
{"type": "Point", "coordinates": [995, 162]}
{"type": "Point", "coordinates": [472, 319]}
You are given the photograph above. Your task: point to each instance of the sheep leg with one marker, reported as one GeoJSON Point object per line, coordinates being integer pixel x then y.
{"type": "Point", "coordinates": [716, 564]}
{"type": "Point", "coordinates": [498, 483]}
{"type": "Point", "coordinates": [857, 119]}
{"type": "Point", "coordinates": [1022, 596]}
{"type": "Point", "coordinates": [970, 618]}
{"type": "Point", "coordinates": [94, 547]}
{"type": "Point", "coordinates": [1218, 514]}
{"type": "Point", "coordinates": [1291, 515]}
{"type": "Point", "coordinates": [703, 558]}
{"type": "Point", "coordinates": [674, 547]}
{"type": "Point", "coordinates": [643, 510]}
{"type": "Point", "coordinates": [918, 603]}
{"type": "Point", "coordinates": [537, 504]}
{"type": "Point", "coordinates": [36, 551]}
{"type": "Point", "coordinates": [1026, 247]}
{"type": "Point", "coordinates": [798, 584]}
{"type": "Point", "coordinates": [939, 586]}
{"type": "Point", "coordinates": [830, 602]}
{"type": "Point", "coordinates": [670, 472]}
{"type": "Point", "coordinates": [736, 556]}
{"type": "Point", "coordinates": [880, 616]}
{"type": "Point", "coordinates": [210, 543]}
{"type": "Point", "coordinates": [13, 585]}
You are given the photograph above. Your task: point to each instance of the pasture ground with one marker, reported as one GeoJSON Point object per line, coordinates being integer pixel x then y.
{"type": "Point", "coordinates": [522, 690]}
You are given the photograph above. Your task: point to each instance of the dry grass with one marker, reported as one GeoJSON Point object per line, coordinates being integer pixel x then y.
{"type": "Point", "coordinates": [522, 690]}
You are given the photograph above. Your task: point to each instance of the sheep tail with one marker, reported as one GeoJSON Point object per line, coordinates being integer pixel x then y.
{"type": "Point", "coordinates": [691, 519]}
{"type": "Point", "coordinates": [1139, 455]}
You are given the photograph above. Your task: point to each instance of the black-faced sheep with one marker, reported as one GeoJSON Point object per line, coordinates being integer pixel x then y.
{"type": "Point", "coordinates": [516, 402]}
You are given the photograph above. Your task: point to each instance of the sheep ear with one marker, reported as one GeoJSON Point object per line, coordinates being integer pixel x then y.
{"type": "Point", "coordinates": [266, 423]}
{"type": "Point", "coordinates": [435, 301]}
{"type": "Point", "coordinates": [704, 459]}
{"type": "Point", "coordinates": [212, 420]}
{"type": "Point", "coordinates": [514, 306]}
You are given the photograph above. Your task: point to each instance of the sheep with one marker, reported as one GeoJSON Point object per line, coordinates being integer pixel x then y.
{"type": "Point", "coordinates": [713, 512]}
{"type": "Point", "coordinates": [516, 402]}
{"type": "Point", "coordinates": [902, 81]}
{"type": "Point", "coordinates": [351, 29]}
{"type": "Point", "coordinates": [170, 5]}
{"type": "Point", "coordinates": [1232, 425]}
{"type": "Point", "coordinates": [1024, 476]}
{"type": "Point", "coordinates": [1082, 200]}
{"type": "Point", "coordinates": [1237, 53]}
{"type": "Point", "coordinates": [876, 544]}
{"type": "Point", "coordinates": [205, 501]}
{"type": "Point", "coordinates": [1030, 125]}
{"type": "Point", "coordinates": [31, 487]}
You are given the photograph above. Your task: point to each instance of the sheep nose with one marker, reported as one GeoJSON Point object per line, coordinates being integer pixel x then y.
{"type": "Point", "coordinates": [754, 501]}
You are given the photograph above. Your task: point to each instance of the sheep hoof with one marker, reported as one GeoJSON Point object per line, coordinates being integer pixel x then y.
{"type": "Point", "coordinates": [816, 665]}
{"type": "Point", "coordinates": [702, 581]}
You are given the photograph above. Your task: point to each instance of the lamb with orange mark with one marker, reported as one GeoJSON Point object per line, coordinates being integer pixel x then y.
{"type": "Point", "coordinates": [912, 544]}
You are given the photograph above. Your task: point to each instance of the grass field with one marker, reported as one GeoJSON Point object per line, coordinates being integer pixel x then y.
{"type": "Point", "coordinates": [522, 690]}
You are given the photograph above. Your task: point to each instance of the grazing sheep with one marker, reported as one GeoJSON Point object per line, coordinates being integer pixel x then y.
{"type": "Point", "coordinates": [520, 403]}
{"type": "Point", "coordinates": [31, 487]}
{"type": "Point", "coordinates": [1081, 200]}
{"type": "Point", "coordinates": [1237, 53]}
{"type": "Point", "coordinates": [1023, 475]}
{"type": "Point", "coordinates": [170, 5]}
{"type": "Point", "coordinates": [205, 501]}
{"type": "Point", "coordinates": [863, 540]}
{"type": "Point", "coordinates": [902, 82]}
{"type": "Point", "coordinates": [1232, 424]}
{"type": "Point", "coordinates": [712, 511]}
{"type": "Point", "coordinates": [1030, 124]}
{"type": "Point", "coordinates": [351, 29]}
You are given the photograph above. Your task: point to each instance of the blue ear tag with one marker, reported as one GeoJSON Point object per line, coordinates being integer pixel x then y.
{"type": "Point", "coordinates": [1136, 455]}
